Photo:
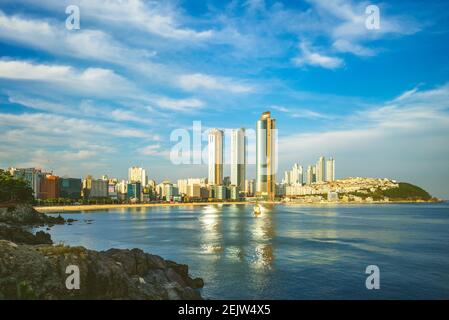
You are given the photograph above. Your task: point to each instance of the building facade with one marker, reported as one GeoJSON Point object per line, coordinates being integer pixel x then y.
{"type": "Point", "coordinates": [215, 139]}
{"type": "Point", "coordinates": [49, 188]}
{"type": "Point", "coordinates": [266, 156]}
{"type": "Point", "coordinates": [320, 169]}
{"type": "Point", "coordinates": [330, 170]}
{"type": "Point", "coordinates": [137, 174]}
{"type": "Point", "coordinates": [238, 158]}
{"type": "Point", "coordinates": [70, 188]}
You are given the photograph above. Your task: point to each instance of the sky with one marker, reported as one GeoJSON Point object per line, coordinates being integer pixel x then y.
{"type": "Point", "coordinates": [109, 95]}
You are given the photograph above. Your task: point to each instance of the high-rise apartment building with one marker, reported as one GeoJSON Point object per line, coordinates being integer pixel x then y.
{"type": "Point", "coordinates": [249, 187]}
{"type": "Point", "coordinates": [238, 158]}
{"type": "Point", "coordinates": [215, 139]}
{"type": "Point", "coordinates": [310, 175]}
{"type": "Point", "coordinates": [137, 174]}
{"type": "Point", "coordinates": [330, 170]}
{"type": "Point", "coordinates": [49, 188]}
{"type": "Point", "coordinates": [266, 154]}
{"type": "Point", "coordinates": [70, 188]}
{"type": "Point", "coordinates": [320, 170]}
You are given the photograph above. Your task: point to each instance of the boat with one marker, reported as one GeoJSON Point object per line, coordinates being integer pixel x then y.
{"type": "Point", "coordinates": [256, 209]}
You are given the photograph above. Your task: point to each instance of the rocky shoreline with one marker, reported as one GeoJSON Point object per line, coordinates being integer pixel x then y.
{"type": "Point", "coordinates": [31, 267]}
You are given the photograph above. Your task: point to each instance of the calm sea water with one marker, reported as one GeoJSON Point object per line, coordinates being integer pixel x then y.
{"type": "Point", "coordinates": [288, 252]}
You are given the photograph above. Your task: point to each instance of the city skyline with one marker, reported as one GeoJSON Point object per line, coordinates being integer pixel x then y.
{"type": "Point", "coordinates": [96, 101]}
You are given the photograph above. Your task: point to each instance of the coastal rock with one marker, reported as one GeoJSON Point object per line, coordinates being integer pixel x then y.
{"type": "Point", "coordinates": [39, 272]}
{"type": "Point", "coordinates": [25, 214]}
{"type": "Point", "coordinates": [20, 236]}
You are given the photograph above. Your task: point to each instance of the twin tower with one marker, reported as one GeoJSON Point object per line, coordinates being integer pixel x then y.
{"type": "Point", "coordinates": [266, 157]}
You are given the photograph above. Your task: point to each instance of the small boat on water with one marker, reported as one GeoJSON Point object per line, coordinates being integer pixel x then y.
{"type": "Point", "coordinates": [257, 210]}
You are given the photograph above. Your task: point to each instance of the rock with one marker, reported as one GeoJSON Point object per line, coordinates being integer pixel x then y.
{"type": "Point", "coordinates": [25, 214]}
{"type": "Point", "coordinates": [31, 268]}
{"type": "Point", "coordinates": [39, 272]}
{"type": "Point", "coordinates": [18, 235]}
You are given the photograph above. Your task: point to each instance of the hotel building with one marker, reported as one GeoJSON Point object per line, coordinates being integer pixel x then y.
{"type": "Point", "coordinates": [266, 151]}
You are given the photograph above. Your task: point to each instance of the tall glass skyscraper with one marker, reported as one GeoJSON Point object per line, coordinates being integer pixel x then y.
{"type": "Point", "coordinates": [320, 169]}
{"type": "Point", "coordinates": [330, 170]}
{"type": "Point", "coordinates": [215, 139]}
{"type": "Point", "coordinates": [238, 158]}
{"type": "Point", "coordinates": [266, 156]}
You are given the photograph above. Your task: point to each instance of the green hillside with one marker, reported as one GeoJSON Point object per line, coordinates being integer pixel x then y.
{"type": "Point", "coordinates": [405, 191]}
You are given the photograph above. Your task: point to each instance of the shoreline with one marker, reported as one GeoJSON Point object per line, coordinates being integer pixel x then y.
{"type": "Point", "coordinates": [96, 207]}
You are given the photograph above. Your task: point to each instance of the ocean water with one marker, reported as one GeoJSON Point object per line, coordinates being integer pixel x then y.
{"type": "Point", "coordinates": [287, 252]}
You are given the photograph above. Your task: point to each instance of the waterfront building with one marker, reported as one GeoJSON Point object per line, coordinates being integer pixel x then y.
{"type": "Point", "coordinates": [134, 191]}
{"type": "Point", "coordinates": [32, 176]}
{"type": "Point", "coordinates": [215, 138]}
{"type": "Point", "coordinates": [266, 151]}
{"type": "Point", "coordinates": [234, 192]}
{"type": "Point", "coordinates": [183, 185]}
{"type": "Point", "coordinates": [137, 174]}
{"type": "Point", "coordinates": [320, 169]}
{"type": "Point", "coordinates": [70, 188]}
{"type": "Point", "coordinates": [171, 191]}
{"type": "Point", "coordinates": [249, 187]}
{"type": "Point", "coordinates": [286, 179]}
{"type": "Point", "coordinates": [93, 188]}
{"type": "Point", "coordinates": [194, 191]}
{"type": "Point", "coordinates": [238, 158]}
{"type": "Point", "coordinates": [330, 170]}
{"type": "Point", "coordinates": [280, 189]}
{"type": "Point", "coordinates": [309, 178]}
{"type": "Point", "coordinates": [294, 176]}
{"type": "Point", "coordinates": [49, 188]}
{"type": "Point", "coordinates": [112, 190]}
{"type": "Point", "coordinates": [221, 192]}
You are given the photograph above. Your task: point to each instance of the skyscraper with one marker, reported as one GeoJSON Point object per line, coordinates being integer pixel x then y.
{"type": "Point", "coordinates": [309, 178]}
{"type": "Point", "coordinates": [215, 157]}
{"type": "Point", "coordinates": [330, 170]}
{"type": "Point", "coordinates": [137, 174]}
{"type": "Point", "coordinates": [266, 151]}
{"type": "Point", "coordinates": [238, 158]}
{"type": "Point", "coordinates": [320, 170]}
{"type": "Point", "coordinates": [296, 174]}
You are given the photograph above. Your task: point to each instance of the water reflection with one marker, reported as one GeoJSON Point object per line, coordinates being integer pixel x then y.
{"type": "Point", "coordinates": [263, 232]}
{"type": "Point", "coordinates": [211, 233]}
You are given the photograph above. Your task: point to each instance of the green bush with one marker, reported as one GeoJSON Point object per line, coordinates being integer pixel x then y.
{"type": "Point", "coordinates": [14, 190]}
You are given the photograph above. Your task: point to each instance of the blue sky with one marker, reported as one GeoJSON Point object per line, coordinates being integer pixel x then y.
{"type": "Point", "coordinates": [103, 98]}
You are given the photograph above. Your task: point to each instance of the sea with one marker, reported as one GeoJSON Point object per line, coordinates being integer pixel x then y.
{"type": "Point", "coordinates": [378, 251]}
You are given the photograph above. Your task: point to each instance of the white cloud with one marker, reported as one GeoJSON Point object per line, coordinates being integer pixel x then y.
{"type": "Point", "coordinates": [96, 81]}
{"type": "Point", "coordinates": [179, 104]}
{"type": "Point", "coordinates": [152, 17]}
{"type": "Point", "coordinates": [199, 81]}
{"type": "Point", "coordinates": [308, 56]}
{"type": "Point", "coordinates": [51, 37]}
{"type": "Point", "coordinates": [151, 150]}
{"type": "Point", "coordinates": [301, 113]}
{"type": "Point", "coordinates": [343, 45]}
{"type": "Point", "coordinates": [126, 115]}
{"type": "Point", "coordinates": [57, 125]}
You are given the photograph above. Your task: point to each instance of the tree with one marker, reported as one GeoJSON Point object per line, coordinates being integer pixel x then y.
{"type": "Point", "coordinates": [14, 190]}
